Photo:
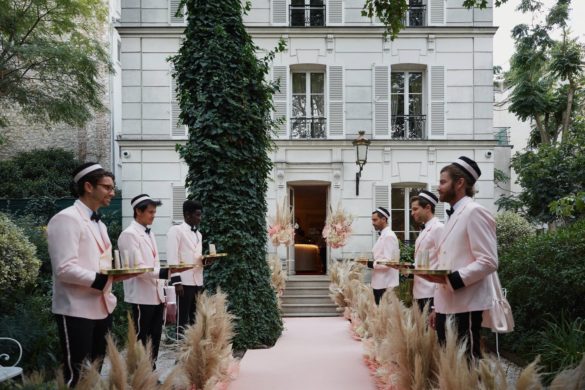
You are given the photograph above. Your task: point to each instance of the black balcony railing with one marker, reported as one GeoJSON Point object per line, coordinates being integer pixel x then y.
{"type": "Point", "coordinates": [408, 126]}
{"type": "Point", "coordinates": [306, 15]}
{"type": "Point", "coordinates": [308, 127]}
{"type": "Point", "coordinates": [415, 16]}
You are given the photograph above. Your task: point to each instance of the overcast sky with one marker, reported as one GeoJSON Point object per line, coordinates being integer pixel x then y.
{"type": "Point", "coordinates": [506, 17]}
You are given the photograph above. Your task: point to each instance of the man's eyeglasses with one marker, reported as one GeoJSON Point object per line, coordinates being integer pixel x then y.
{"type": "Point", "coordinates": [107, 187]}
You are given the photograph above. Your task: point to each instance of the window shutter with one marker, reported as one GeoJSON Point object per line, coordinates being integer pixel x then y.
{"type": "Point", "coordinates": [177, 129]}
{"type": "Point", "coordinates": [335, 12]}
{"type": "Point", "coordinates": [381, 101]}
{"type": "Point", "coordinates": [437, 101]}
{"type": "Point", "coordinates": [179, 196]}
{"type": "Point", "coordinates": [336, 109]}
{"type": "Point", "coordinates": [381, 195]}
{"type": "Point", "coordinates": [280, 76]}
{"type": "Point", "coordinates": [437, 12]}
{"type": "Point", "coordinates": [440, 207]}
{"type": "Point", "coordinates": [279, 12]}
{"type": "Point", "coordinates": [173, 18]}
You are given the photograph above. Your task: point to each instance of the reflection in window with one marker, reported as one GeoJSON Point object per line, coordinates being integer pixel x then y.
{"type": "Point", "coordinates": [408, 121]}
{"type": "Point", "coordinates": [308, 105]}
{"type": "Point", "coordinates": [402, 223]}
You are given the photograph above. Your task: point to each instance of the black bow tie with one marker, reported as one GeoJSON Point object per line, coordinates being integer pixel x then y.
{"type": "Point", "coordinates": [422, 226]}
{"type": "Point", "coordinates": [95, 216]}
{"type": "Point", "coordinates": [379, 233]}
{"type": "Point", "coordinates": [147, 230]}
{"type": "Point", "coordinates": [450, 211]}
{"type": "Point", "coordinates": [194, 229]}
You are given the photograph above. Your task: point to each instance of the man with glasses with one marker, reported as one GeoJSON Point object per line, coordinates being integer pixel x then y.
{"type": "Point", "coordinates": [79, 247]}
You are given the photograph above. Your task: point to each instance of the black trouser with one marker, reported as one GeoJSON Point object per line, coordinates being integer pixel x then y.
{"type": "Point", "coordinates": [422, 303]}
{"type": "Point", "coordinates": [81, 339]}
{"type": "Point", "coordinates": [378, 292]}
{"type": "Point", "coordinates": [186, 306]}
{"type": "Point", "coordinates": [468, 328]}
{"type": "Point", "coordinates": [148, 321]}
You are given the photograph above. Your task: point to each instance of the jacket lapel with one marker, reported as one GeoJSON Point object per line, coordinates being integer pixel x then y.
{"type": "Point", "coordinates": [98, 238]}
{"type": "Point", "coordinates": [451, 223]}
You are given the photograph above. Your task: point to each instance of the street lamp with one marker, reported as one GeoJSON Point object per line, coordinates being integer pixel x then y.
{"type": "Point", "coordinates": [361, 144]}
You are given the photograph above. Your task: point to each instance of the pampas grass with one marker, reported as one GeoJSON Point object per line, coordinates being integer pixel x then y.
{"type": "Point", "coordinates": [118, 372]}
{"type": "Point", "coordinates": [90, 378]}
{"type": "Point", "coordinates": [277, 277]}
{"type": "Point", "coordinates": [571, 379]}
{"type": "Point", "coordinates": [206, 353]}
{"type": "Point", "coordinates": [529, 378]}
{"type": "Point", "coordinates": [341, 274]}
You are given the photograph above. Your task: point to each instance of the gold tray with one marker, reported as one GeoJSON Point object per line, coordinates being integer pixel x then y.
{"type": "Point", "coordinates": [181, 265]}
{"type": "Point", "coordinates": [421, 271]}
{"type": "Point", "coordinates": [125, 271]}
{"type": "Point", "coordinates": [214, 256]}
{"type": "Point", "coordinates": [395, 263]}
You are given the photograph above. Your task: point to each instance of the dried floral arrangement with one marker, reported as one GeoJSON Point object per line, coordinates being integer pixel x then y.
{"type": "Point", "coordinates": [337, 228]}
{"type": "Point", "coordinates": [282, 228]}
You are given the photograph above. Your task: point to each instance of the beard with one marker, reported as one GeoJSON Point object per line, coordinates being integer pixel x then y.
{"type": "Point", "coordinates": [449, 195]}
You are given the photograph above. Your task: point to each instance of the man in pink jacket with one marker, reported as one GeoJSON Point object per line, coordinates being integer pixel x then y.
{"type": "Point", "coordinates": [79, 247]}
{"type": "Point", "coordinates": [468, 248]}
{"type": "Point", "coordinates": [386, 248]}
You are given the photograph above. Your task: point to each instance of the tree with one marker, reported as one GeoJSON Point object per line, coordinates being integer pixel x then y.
{"type": "Point", "coordinates": [226, 104]}
{"type": "Point", "coordinates": [391, 12]}
{"type": "Point", "coordinates": [51, 59]}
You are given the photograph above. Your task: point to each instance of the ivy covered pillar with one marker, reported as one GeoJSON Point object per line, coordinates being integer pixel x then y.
{"type": "Point", "coordinates": [226, 103]}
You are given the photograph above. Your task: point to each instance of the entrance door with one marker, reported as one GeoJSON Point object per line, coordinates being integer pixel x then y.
{"type": "Point", "coordinates": [310, 212]}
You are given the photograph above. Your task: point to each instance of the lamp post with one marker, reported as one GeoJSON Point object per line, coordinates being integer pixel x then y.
{"type": "Point", "coordinates": [361, 144]}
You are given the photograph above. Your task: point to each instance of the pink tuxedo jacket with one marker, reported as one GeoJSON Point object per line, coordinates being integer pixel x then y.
{"type": "Point", "coordinates": [185, 245]}
{"type": "Point", "coordinates": [428, 239]}
{"type": "Point", "coordinates": [385, 248]}
{"type": "Point", "coordinates": [75, 250]}
{"type": "Point", "coordinates": [468, 247]}
{"type": "Point", "coordinates": [145, 289]}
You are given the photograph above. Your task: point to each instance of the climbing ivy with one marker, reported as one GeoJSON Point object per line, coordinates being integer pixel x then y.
{"type": "Point", "coordinates": [226, 103]}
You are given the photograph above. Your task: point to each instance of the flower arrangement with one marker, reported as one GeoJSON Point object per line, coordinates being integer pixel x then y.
{"type": "Point", "coordinates": [281, 229]}
{"type": "Point", "coordinates": [337, 228]}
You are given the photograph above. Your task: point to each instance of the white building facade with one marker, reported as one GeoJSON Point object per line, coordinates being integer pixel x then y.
{"type": "Point", "coordinates": [423, 100]}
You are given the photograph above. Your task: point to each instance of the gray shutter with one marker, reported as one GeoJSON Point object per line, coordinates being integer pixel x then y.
{"type": "Point", "coordinates": [177, 129]}
{"type": "Point", "coordinates": [437, 12]}
{"type": "Point", "coordinates": [336, 111]}
{"type": "Point", "coordinates": [173, 7]}
{"type": "Point", "coordinates": [280, 75]}
{"type": "Point", "coordinates": [335, 12]}
{"type": "Point", "coordinates": [279, 12]}
{"type": "Point", "coordinates": [179, 196]}
{"type": "Point", "coordinates": [381, 101]}
{"type": "Point", "coordinates": [440, 207]}
{"type": "Point", "coordinates": [381, 198]}
{"type": "Point", "coordinates": [437, 101]}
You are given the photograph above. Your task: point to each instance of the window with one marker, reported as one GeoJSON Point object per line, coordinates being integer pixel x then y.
{"type": "Point", "coordinates": [308, 105]}
{"type": "Point", "coordinates": [307, 13]}
{"type": "Point", "coordinates": [408, 121]}
{"type": "Point", "coordinates": [402, 223]}
{"type": "Point", "coordinates": [415, 16]}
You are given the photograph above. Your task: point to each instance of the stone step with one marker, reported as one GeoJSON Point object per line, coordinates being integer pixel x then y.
{"type": "Point", "coordinates": [328, 314]}
{"type": "Point", "coordinates": [306, 299]}
{"type": "Point", "coordinates": [307, 283]}
{"type": "Point", "coordinates": [312, 308]}
{"type": "Point", "coordinates": [295, 290]}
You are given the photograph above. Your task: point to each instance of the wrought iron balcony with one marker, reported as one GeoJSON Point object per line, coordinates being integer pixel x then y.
{"type": "Point", "coordinates": [306, 15]}
{"type": "Point", "coordinates": [308, 128]}
{"type": "Point", "coordinates": [415, 16]}
{"type": "Point", "coordinates": [408, 126]}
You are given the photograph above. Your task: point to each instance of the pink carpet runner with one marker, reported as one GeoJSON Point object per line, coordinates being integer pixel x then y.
{"type": "Point", "coordinates": [313, 353]}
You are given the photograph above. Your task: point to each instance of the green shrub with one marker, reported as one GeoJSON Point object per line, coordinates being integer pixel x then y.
{"type": "Point", "coordinates": [544, 276]}
{"type": "Point", "coordinates": [19, 265]}
{"type": "Point", "coordinates": [37, 173]}
{"type": "Point", "coordinates": [562, 344]}
{"type": "Point", "coordinates": [510, 228]}
{"type": "Point", "coordinates": [31, 323]}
